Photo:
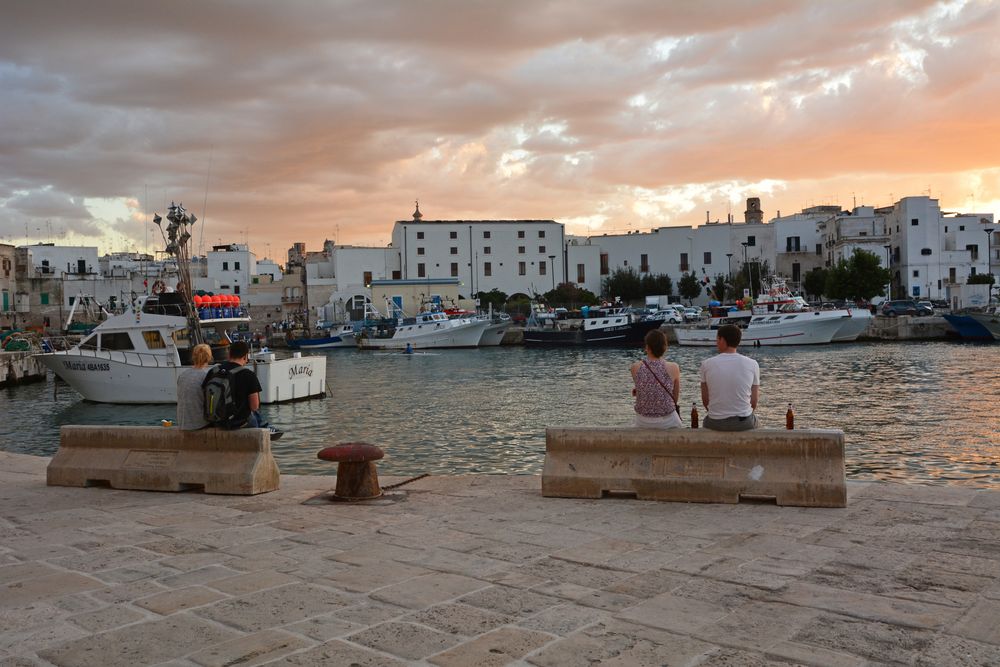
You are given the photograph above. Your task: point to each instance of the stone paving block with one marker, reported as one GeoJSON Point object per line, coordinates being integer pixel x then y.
{"type": "Point", "coordinates": [563, 619]}
{"type": "Point", "coordinates": [675, 613]}
{"type": "Point", "coordinates": [31, 570]}
{"type": "Point", "coordinates": [250, 582]}
{"type": "Point", "coordinates": [588, 597]}
{"type": "Point", "coordinates": [559, 569]}
{"type": "Point", "coordinates": [108, 618]}
{"type": "Point", "coordinates": [202, 575]}
{"type": "Point", "coordinates": [24, 592]}
{"type": "Point", "coordinates": [951, 650]}
{"type": "Point", "coordinates": [866, 606]}
{"type": "Point", "coordinates": [457, 562]}
{"type": "Point", "coordinates": [515, 579]}
{"type": "Point", "coordinates": [76, 603]}
{"type": "Point", "coordinates": [499, 647]}
{"type": "Point", "coordinates": [649, 584]}
{"type": "Point", "coordinates": [142, 644]}
{"type": "Point", "coordinates": [105, 559]}
{"type": "Point", "coordinates": [882, 642]}
{"type": "Point", "coordinates": [274, 607]}
{"type": "Point", "coordinates": [458, 619]}
{"type": "Point", "coordinates": [981, 622]}
{"type": "Point", "coordinates": [614, 642]}
{"type": "Point", "coordinates": [513, 553]}
{"type": "Point", "coordinates": [915, 582]}
{"type": "Point", "coordinates": [730, 657]}
{"type": "Point", "coordinates": [174, 546]}
{"type": "Point", "coordinates": [365, 578]}
{"type": "Point", "coordinates": [254, 649]}
{"type": "Point", "coordinates": [128, 592]}
{"type": "Point", "coordinates": [40, 636]}
{"type": "Point", "coordinates": [337, 653]}
{"type": "Point", "coordinates": [137, 572]}
{"type": "Point", "coordinates": [983, 567]}
{"type": "Point", "coordinates": [325, 628]}
{"type": "Point", "coordinates": [757, 626]}
{"type": "Point", "coordinates": [429, 589]}
{"type": "Point", "coordinates": [510, 601]}
{"type": "Point", "coordinates": [814, 656]}
{"type": "Point", "coordinates": [405, 640]}
{"type": "Point", "coordinates": [179, 599]}
{"type": "Point", "coordinates": [370, 612]}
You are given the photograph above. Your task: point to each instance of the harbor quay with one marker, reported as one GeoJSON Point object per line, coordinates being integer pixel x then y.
{"type": "Point", "coordinates": [482, 570]}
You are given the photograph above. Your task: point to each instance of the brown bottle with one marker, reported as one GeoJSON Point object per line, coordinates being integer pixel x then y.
{"type": "Point", "coordinates": [790, 418]}
{"type": "Point", "coordinates": [694, 415]}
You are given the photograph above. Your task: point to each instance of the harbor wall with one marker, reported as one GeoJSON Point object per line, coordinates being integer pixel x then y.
{"type": "Point", "coordinates": [19, 368]}
{"type": "Point", "coordinates": [907, 327]}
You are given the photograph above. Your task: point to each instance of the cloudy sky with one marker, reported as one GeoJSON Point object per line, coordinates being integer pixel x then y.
{"type": "Point", "coordinates": [299, 121]}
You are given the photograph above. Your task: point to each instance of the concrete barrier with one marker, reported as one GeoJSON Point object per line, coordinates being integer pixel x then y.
{"type": "Point", "coordinates": [800, 467]}
{"type": "Point", "coordinates": [152, 458]}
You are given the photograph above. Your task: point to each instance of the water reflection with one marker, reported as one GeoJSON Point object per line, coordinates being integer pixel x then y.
{"type": "Point", "coordinates": [921, 412]}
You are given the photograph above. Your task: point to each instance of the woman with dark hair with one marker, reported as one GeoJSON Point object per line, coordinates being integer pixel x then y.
{"type": "Point", "coordinates": [657, 386]}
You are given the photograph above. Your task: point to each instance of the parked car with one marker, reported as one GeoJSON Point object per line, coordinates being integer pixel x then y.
{"type": "Point", "coordinates": [905, 307]}
{"type": "Point", "coordinates": [667, 315]}
{"type": "Point", "coordinates": [692, 314]}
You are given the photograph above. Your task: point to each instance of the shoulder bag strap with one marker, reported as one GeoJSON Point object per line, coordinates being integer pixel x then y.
{"type": "Point", "coordinates": [665, 388]}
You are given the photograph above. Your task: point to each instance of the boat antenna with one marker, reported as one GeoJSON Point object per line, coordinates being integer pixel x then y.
{"type": "Point", "coordinates": [204, 206]}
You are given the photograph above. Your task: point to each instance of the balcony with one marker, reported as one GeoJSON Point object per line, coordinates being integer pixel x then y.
{"type": "Point", "coordinates": [291, 299]}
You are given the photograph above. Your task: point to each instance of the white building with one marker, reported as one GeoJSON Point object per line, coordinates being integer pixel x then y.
{"type": "Point", "coordinates": [268, 267]}
{"type": "Point", "coordinates": [228, 269]}
{"type": "Point", "coordinates": [47, 259]}
{"type": "Point", "coordinates": [513, 256]}
{"type": "Point", "coordinates": [799, 243]}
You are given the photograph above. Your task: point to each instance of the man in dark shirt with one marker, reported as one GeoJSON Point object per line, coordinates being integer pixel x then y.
{"type": "Point", "coordinates": [245, 388]}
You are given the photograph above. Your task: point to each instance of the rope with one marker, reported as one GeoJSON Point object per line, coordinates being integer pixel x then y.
{"type": "Point", "coordinates": [405, 481]}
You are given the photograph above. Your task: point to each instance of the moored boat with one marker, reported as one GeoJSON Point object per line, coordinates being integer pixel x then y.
{"type": "Point", "coordinates": [976, 324]}
{"type": "Point", "coordinates": [426, 330]}
{"type": "Point", "coordinates": [608, 326]}
{"type": "Point", "coordinates": [337, 336]}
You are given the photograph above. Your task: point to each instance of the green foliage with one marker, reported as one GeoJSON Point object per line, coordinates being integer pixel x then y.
{"type": "Point", "coordinates": [981, 279]}
{"type": "Point", "coordinates": [720, 286]}
{"type": "Point", "coordinates": [860, 277]}
{"type": "Point", "coordinates": [570, 296]}
{"type": "Point", "coordinates": [494, 296]}
{"type": "Point", "coordinates": [689, 286]}
{"type": "Point", "coordinates": [623, 283]}
{"type": "Point", "coordinates": [814, 282]}
{"type": "Point", "coordinates": [656, 283]}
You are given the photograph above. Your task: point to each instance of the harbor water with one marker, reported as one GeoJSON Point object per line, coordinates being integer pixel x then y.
{"type": "Point", "coordinates": [911, 412]}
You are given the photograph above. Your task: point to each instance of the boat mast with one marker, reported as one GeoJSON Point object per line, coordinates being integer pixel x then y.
{"type": "Point", "coordinates": [178, 236]}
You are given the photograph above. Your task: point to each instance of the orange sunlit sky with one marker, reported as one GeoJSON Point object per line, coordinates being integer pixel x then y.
{"type": "Point", "coordinates": [300, 121]}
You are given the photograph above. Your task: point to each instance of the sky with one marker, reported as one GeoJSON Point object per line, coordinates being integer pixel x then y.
{"type": "Point", "coordinates": [306, 120]}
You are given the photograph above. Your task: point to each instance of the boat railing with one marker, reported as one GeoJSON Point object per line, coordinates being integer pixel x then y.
{"type": "Point", "coordinates": [131, 357]}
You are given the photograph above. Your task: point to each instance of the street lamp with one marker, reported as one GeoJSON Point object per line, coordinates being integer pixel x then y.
{"type": "Point", "coordinates": [888, 265]}
{"type": "Point", "coordinates": [747, 266]}
{"type": "Point", "coordinates": [989, 294]}
{"type": "Point", "coordinates": [552, 268]}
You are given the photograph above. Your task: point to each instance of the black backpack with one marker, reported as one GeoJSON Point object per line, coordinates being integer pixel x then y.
{"type": "Point", "coordinates": [217, 387]}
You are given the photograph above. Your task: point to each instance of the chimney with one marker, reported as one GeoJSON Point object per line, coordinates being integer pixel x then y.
{"type": "Point", "coordinates": [706, 216]}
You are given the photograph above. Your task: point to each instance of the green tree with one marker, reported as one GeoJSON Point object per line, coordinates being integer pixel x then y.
{"type": "Point", "coordinates": [656, 283]}
{"type": "Point", "coordinates": [570, 296]}
{"type": "Point", "coordinates": [624, 283]}
{"type": "Point", "coordinates": [814, 282]}
{"type": "Point", "coordinates": [494, 296]}
{"type": "Point", "coordinates": [981, 279]}
{"type": "Point", "coordinates": [860, 277]}
{"type": "Point", "coordinates": [720, 286]}
{"type": "Point", "coordinates": [689, 286]}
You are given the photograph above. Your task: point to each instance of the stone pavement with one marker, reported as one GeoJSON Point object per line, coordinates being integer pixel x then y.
{"type": "Point", "coordinates": [481, 570]}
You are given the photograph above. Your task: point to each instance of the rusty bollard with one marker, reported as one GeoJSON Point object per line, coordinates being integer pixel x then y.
{"type": "Point", "coordinates": [357, 478]}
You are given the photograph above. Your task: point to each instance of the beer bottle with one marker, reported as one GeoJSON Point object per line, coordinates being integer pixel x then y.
{"type": "Point", "coordinates": [694, 415]}
{"type": "Point", "coordinates": [790, 418]}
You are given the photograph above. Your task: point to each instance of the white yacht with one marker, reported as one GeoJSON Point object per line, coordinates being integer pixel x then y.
{"type": "Point", "coordinates": [426, 330]}
{"type": "Point", "coordinates": [802, 328]}
{"type": "Point", "coordinates": [136, 357]}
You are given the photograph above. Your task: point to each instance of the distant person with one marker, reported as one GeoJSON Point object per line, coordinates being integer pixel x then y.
{"type": "Point", "coordinates": [657, 386]}
{"type": "Point", "coordinates": [730, 384]}
{"type": "Point", "coordinates": [190, 397]}
{"type": "Point", "coordinates": [409, 349]}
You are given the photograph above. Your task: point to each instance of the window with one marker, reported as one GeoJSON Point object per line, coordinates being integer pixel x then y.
{"type": "Point", "coordinates": [796, 272]}
{"type": "Point", "coordinates": [236, 289]}
{"type": "Point", "coordinates": [236, 266]}
{"type": "Point", "coordinates": [420, 235]}
{"type": "Point", "coordinates": [116, 341]}
{"type": "Point", "coordinates": [453, 235]}
{"type": "Point", "coordinates": [914, 222]}
{"type": "Point", "coordinates": [973, 251]}
{"type": "Point", "coordinates": [225, 266]}
{"type": "Point", "coordinates": [707, 258]}
{"type": "Point", "coordinates": [397, 275]}
{"type": "Point", "coordinates": [454, 250]}
{"type": "Point", "coordinates": [44, 296]}
{"type": "Point", "coordinates": [520, 234]}
{"type": "Point", "coordinates": [421, 271]}
{"type": "Point", "coordinates": [89, 343]}
{"type": "Point", "coordinates": [916, 274]}
{"type": "Point", "coordinates": [644, 263]}
{"type": "Point", "coordinates": [522, 268]}
{"type": "Point", "coordinates": [420, 251]}
{"type": "Point", "coordinates": [972, 271]}
{"type": "Point", "coordinates": [819, 248]}
{"type": "Point", "coordinates": [541, 268]}
{"type": "Point", "coordinates": [925, 251]}
{"type": "Point", "coordinates": [541, 249]}
{"type": "Point", "coordinates": [862, 233]}
{"type": "Point", "coordinates": [751, 240]}
{"type": "Point", "coordinates": [580, 274]}
{"type": "Point", "coordinates": [605, 270]}
{"type": "Point", "coordinates": [520, 250]}
{"type": "Point", "coordinates": [961, 228]}
{"type": "Point", "coordinates": [486, 235]}
{"type": "Point", "coordinates": [487, 268]}
{"type": "Point", "coordinates": [541, 233]}
{"type": "Point", "coordinates": [154, 341]}
{"type": "Point", "coordinates": [454, 269]}
{"type": "Point", "coordinates": [792, 244]}
{"type": "Point", "coordinates": [684, 261]}
{"type": "Point", "coordinates": [952, 275]}
{"type": "Point", "coordinates": [487, 250]}
{"type": "Point", "coordinates": [366, 278]}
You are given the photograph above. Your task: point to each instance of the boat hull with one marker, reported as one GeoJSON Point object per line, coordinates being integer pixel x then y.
{"type": "Point", "coordinates": [493, 334]}
{"type": "Point", "coordinates": [787, 332]}
{"type": "Point", "coordinates": [975, 326]}
{"type": "Point", "coordinates": [435, 336]}
{"type": "Point", "coordinates": [854, 325]}
{"type": "Point", "coordinates": [626, 334]}
{"type": "Point", "coordinates": [327, 342]}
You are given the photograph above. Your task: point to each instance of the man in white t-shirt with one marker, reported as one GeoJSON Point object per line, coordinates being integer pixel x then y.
{"type": "Point", "coordinates": [730, 385]}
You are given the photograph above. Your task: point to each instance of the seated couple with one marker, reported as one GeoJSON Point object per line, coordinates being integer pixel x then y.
{"type": "Point", "coordinates": [730, 385]}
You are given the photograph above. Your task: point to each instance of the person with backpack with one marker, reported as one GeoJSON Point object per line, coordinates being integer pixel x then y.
{"type": "Point", "coordinates": [232, 392]}
{"type": "Point", "coordinates": [190, 397]}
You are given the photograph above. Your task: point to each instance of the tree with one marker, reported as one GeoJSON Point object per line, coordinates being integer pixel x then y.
{"type": "Point", "coordinates": [814, 282]}
{"type": "Point", "coordinates": [656, 283]}
{"type": "Point", "coordinates": [860, 277]}
{"type": "Point", "coordinates": [494, 296]}
{"type": "Point", "coordinates": [719, 287]}
{"type": "Point", "coordinates": [689, 286]}
{"type": "Point", "coordinates": [623, 283]}
{"type": "Point", "coordinates": [981, 279]}
{"type": "Point", "coordinates": [570, 296]}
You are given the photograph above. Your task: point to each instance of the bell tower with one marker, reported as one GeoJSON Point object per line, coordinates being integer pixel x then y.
{"type": "Point", "coordinates": [753, 214]}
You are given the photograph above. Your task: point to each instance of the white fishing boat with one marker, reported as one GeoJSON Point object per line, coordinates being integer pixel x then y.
{"type": "Point", "coordinates": [336, 336]}
{"type": "Point", "coordinates": [853, 326]}
{"type": "Point", "coordinates": [494, 332]}
{"type": "Point", "coordinates": [802, 328]}
{"type": "Point", "coordinates": [136, 357]}
{"type": "Point", "coordinates": [426, 330]}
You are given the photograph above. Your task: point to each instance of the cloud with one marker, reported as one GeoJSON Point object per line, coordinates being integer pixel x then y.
{"type": "Point", "coordinates": [305, 121]}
